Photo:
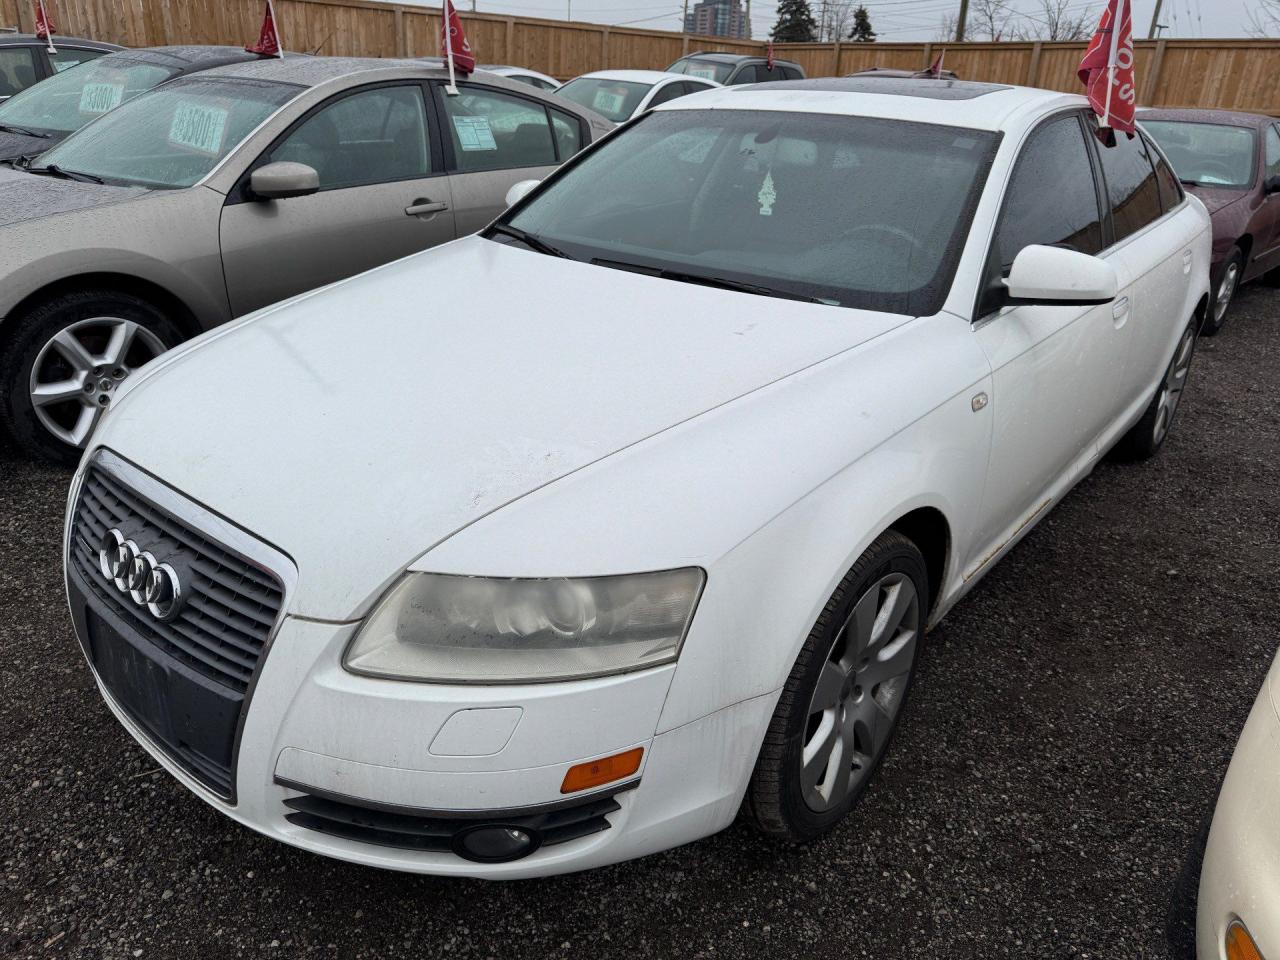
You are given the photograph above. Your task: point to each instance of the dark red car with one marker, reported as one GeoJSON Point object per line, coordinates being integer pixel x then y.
{"type": "Point", "coordinates": [1231, 161]}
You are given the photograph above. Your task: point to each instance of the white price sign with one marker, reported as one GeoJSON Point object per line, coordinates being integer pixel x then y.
{"type": "Point", "coordinates": [474, 133]}
{"type": "Point", "coordinates": [101, 97]}
{"type": "Point", "coordinates": [199, 126]}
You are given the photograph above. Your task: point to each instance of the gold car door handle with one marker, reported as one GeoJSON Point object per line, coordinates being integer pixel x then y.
{"type": "Point", "coordinates": [422, 207]}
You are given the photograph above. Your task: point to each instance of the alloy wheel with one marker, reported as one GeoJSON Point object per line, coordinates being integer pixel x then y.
{"type": "Point", "coordinates": [79, 370]}
{"type": "Point", "coordinates": [1175, 381]}
{"type": "Point", "coordinates": [860, 692]}
{"type": "Point", "coordinates": [1226, 290]}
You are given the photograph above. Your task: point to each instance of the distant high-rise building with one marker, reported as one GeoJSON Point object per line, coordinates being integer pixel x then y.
{"type": "Point", "coordinates": [718, 18]}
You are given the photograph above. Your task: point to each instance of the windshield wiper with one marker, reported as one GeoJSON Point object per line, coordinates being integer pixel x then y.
{"type": "Point", "coordinates": [24, 131]}
{"type": "Point", "coordinates": [702, 280]}
{"type": "Point", "coordinates": [52, 169]}
{"type": "Point", "coordinates": [529, 240]}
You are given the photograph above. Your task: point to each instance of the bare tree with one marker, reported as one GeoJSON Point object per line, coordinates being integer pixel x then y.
{"type": "Point", "coordinates": [1057, 21]}
{"type": "Point", "coordinates": [835, 18]}
{"type": "Point", "coordinates": [947, 28]}
{"type": "Point", "coordinates": [992, 20]}
{"type": "Point", "coordinates": [1264, 20]}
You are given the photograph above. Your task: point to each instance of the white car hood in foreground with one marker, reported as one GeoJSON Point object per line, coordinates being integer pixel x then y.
{"type": "Point", "coordinates": [359, 427]}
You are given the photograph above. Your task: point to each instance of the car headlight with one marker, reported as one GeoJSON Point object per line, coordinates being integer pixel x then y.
{"type": "Point", "coordinates": [456, 629]}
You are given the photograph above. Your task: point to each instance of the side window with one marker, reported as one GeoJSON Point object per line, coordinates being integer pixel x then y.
{"type": "Point", "coordinates": [746, 74]}
{"type": "Point", "coordinates": [1131, 185]}
{"type": "Point", "coordinates": [791, 73]}
{"type": "Point", "coordinates": [67, 57]}
{"type": "Point", "coordinates": [1272, 156]}
{"type": "Point", "coordinates": [668, 93]}
{"type": "Point", "coordinates": [1170, 188]}
{"type": "Point", "coordinates": [17, 70]}
{"type": "Point", "coordinates": [694, 87]}
{"type": "Point", "coordinates": [497, 131]}
{"type": "Point", "coordinates": [568, 134]}
{"type": "Point", "coordinates": [377, 136]}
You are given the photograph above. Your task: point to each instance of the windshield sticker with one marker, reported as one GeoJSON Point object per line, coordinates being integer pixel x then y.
{"type": "Point", "coordinates": [474, 133]}
{"type": "Point", "coordinates": [767, 195]}
{"type": "Point", "coordinates": [101, 97]}
{"type": "Point", "coordinates": [607, 102]}
{"type": "Point", "coordinates": [199, 126]}
{"type": "Point", "coordinates": [702, 73]}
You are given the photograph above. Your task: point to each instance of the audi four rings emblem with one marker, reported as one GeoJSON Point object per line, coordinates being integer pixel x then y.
{"type": "Point", "coordinates": [140, 576]}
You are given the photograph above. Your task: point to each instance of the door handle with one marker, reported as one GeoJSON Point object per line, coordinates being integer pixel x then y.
{"type": "Point", "coordinates": [1186, 261]}
{"type": "Point", "coordinates": [421, 207]}
{"type": "Point", "coordinates": [1120, 310]}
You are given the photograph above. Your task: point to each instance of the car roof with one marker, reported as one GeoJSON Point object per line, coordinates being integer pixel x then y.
{"type": "Point", "coordinates": [636, 76]}
{"type": "Point", "coordinates": [185, 58]}
{"type": "Point", "coordinates": [734, 57]}
{"type": "Point", "coordinates": [1232, 118]}
{"type": "Point", "coordinates": [28, 39]}
{"type": "Point", "coordinates": [956, 103]}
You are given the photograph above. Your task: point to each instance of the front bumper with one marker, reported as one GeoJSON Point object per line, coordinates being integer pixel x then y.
{"type": "Point", "coordinates": [310, 729]}
{"type": "Point", "coordinates": [1240, 880]}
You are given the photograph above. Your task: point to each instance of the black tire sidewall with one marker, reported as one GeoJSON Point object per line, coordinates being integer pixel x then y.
{"type": "Point", "coordinates": [891, 553]}
{"type": "Point", "coordinates": [26, 337]}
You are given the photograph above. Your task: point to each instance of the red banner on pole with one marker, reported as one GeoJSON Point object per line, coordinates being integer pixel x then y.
{"type": "Point", "coordinates": [268, 44]}
{"type": "Point", "coordinates": [454, 42]}
{"type": "Point", "coordinates": [44, 26]}
{"type": "Point", "coordinates": [1107, 70]}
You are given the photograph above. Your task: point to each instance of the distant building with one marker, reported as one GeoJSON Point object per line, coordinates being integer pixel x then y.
{"type": "Point", "coordinates": [718, 18]}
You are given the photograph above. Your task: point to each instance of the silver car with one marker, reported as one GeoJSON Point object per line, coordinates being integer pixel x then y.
{"type": "Point", "coordinates": [217, 194]}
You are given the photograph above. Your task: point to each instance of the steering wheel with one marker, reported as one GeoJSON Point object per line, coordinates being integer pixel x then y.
{"type": "Point", "coordinates": [884, 228]}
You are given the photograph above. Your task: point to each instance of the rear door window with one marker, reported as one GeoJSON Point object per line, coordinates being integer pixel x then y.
{"type": "Point", "coordinates": [1132, 188]}
{"type": "Point", "coordinates": [668, 93]}
{"type": "Point", "coordinates": [17, 70]}
{"type": "Point", "coordinates": [1272, 156]}
{"type": "Point", "coordinates": [64, 58]}
{"type": "Point", "coordinates": [497, 131]}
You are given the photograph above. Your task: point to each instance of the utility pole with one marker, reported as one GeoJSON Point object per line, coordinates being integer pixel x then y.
{"type": "Point", "coordinates": [1155, 20]}
{"type": "Point", "coordinates": [684, 19]}
{"type": "Point", "coordinates": [964, 15]}
{"type": "Point", "coordinates": [748, 18]}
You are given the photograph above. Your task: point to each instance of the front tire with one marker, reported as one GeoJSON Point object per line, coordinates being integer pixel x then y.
{"type": "Point", "coordinates": [1148, 435]}
{"type": "Point", "coordinates": [1232, 271]}
{"type": "Point", "coordinates": [65, 359]}
{"type": "Point", "coordinates": [840, 705]}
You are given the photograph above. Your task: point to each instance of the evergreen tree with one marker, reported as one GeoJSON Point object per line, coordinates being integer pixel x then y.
{"type": "Point", "coordinates": [795, 23]}
{"type": "Point", "coordinates": [861, 31]}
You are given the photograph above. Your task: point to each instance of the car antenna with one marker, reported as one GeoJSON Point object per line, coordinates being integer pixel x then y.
{"type": "Point", "coordinates": [322, 43]}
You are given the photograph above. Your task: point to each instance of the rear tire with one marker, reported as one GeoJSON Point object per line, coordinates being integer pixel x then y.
{"type": "Point", "coordinates": [65, 358]}
{"type": "Point", "coordinates": [1224, 293]}
{"type": "Point", "coordinates": [1147, 436]}
{"type": "Point", "coordinates": [841, 704]}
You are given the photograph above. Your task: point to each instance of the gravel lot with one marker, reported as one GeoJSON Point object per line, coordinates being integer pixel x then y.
{"type": "Point", "coordinates": [1068, 732]}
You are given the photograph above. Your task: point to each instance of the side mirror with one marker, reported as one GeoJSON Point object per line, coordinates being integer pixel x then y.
{"type": "Point", "coordinates": [1271, 185]}
{"type": "Point", "coordinates": [1055, 277]}
{"type": "Point", "coordinates": [282, 180]}
{"type": "Point", "coordinates": [520, 190]}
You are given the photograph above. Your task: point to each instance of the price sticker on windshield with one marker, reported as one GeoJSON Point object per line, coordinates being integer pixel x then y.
{"type": "Point", "coordinates": [607, 102]}
{"type": "Point", "coordinates": [702, 73]}
{"type": "Point", "coordinates": [474, 133]}
{"type": "Point", "coordinates": [101, 97]}
{"type": "Point", "coordinates": [199, 126]}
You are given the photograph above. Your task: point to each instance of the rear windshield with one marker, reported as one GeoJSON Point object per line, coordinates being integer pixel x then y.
{"type": "Point", "coordinates": [706, 69]}
{"type": "Point", "coordinates": [851, 211]}
{"type": "Point", "coordinates": [70, 99]}
{"type": "Point", "coordinates": [1208, 154]}
{"type": "Point", "coordinates": [615, 99]}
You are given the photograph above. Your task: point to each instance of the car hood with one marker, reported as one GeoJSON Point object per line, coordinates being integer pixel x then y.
{"type": "Point", "coordinates": [1217, 198]}
{"type": "Point", "coordinates": [25, 196]}
{"type": "Point", "coordinates": [14, 145]}
{"type": "Point", "coordinates": [359, 426]}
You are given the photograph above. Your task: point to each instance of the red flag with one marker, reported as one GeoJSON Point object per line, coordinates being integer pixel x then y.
{"type": "Point", "coordinates": [44, 26]}
{"type": "Point", "coordinates": [454, 42]}
{"type": "Point", "coordinates": [768, 58]}
{"type": "Point", "coordinates": [935, 68]}
{"type": "Point", "coordinates": [268, 44]}
{"type": "Point", "coordinates": [1107, 71]}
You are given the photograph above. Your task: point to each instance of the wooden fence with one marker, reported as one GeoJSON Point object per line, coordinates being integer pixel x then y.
{"type": "Point", "coordinates": [1232, 74]}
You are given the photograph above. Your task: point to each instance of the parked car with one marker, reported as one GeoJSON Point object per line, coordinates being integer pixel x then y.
{"type": "Point", "coordinates": [550, 547]}
{"type": "Point", "coordinates": [896, 74]}
{"type": "Point", "coordinates": [1232, 163]}
{"type": "Point", "coordinates": [216, 194]}
{"type": "Point", "coordinates": [25, 59]}
{"type": "Point", "coordinates": [728, 69]}
{"type": "Point", "coordinates": [39, 118]}
{"type": "Point", "coordinates": [619, 95]}
{"type": "Point", "coordinates": [1238, 916]}
{"type": "Point", "coordinates": [532, 77]}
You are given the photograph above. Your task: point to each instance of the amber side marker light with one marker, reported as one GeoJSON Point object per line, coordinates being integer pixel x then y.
{"type": "Point", "coordinates": [597, 772]}
{"type": "Point", "coordinates": [1240, 945]}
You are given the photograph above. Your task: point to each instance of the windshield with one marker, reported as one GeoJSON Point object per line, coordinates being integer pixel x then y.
{"type": "Point", "coordinates": [173, 136]}
{"type": "Point", "coordinates": [615, 99]}
{"type": "Point", "coordinates": [852, 211]}
{"type": "Point", "coordinates": [68, 100]}
{"type": "Point", "coordinates": [1208, 154]}
{"type": "Point", "coordinates": [706, 69]}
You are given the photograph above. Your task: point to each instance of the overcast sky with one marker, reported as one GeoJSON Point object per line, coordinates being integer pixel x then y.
{"type": "Point", "coordinates": [892, 19]}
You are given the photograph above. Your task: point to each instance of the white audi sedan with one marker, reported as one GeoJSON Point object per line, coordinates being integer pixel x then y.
{"type": "Point", "coordinates": [561, 543]}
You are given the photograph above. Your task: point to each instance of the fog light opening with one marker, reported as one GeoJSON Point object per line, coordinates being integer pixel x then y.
{"type": "Point", "coordinates": [496, 843]}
